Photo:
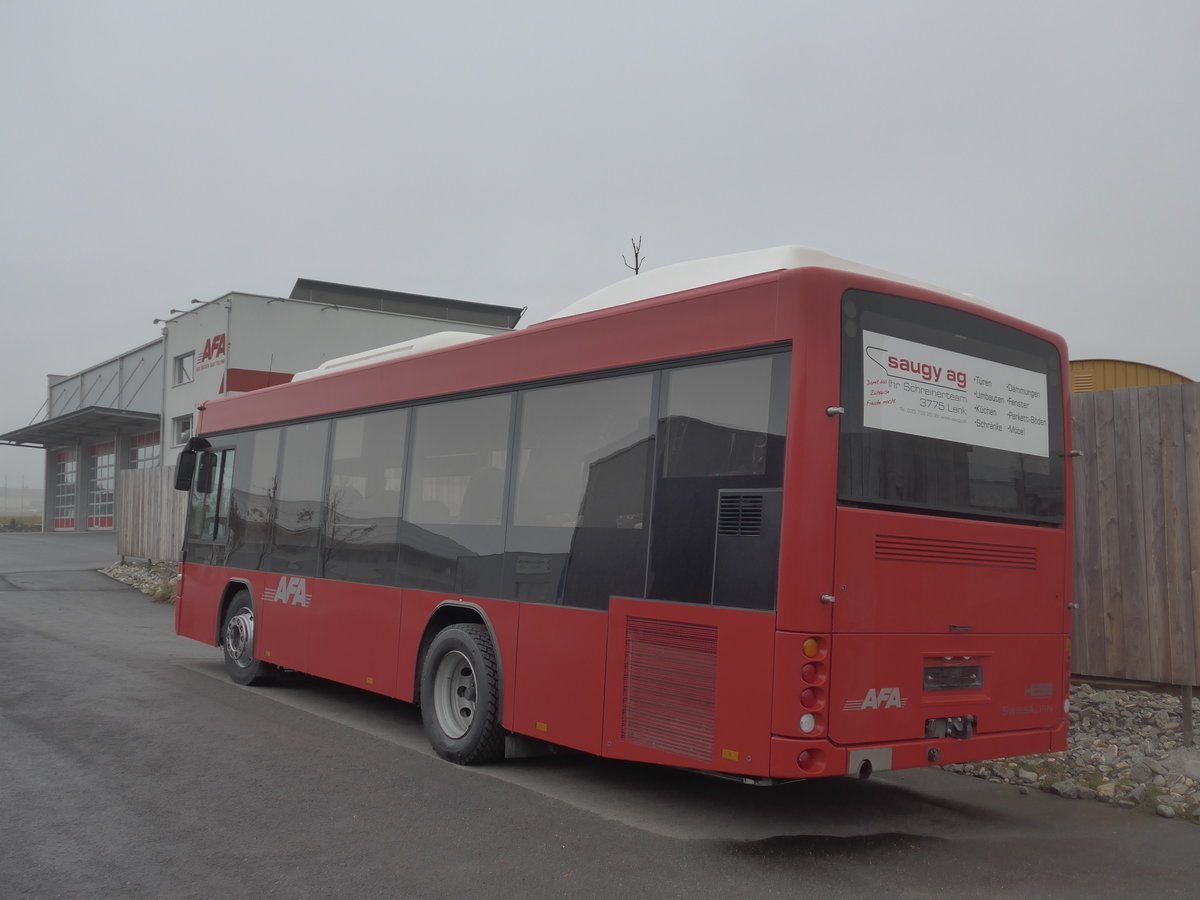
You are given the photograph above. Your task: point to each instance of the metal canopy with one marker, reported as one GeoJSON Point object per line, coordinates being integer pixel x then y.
{"type": "Point", "coordinates": [86, 424]}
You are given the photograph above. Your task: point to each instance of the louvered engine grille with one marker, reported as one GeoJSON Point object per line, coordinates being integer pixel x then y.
{"type": "Point", "coordinates": [740, 514]}
{"type": "Point", "coordinates": [670, 687]}
{"type": "Point", "coordinates": [895, 548]}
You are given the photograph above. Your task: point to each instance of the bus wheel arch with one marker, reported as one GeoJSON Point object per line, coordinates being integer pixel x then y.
{"type": "Point", "coordinates": [237, 638]}
{"type": "Point", "coordinates": [231, 590]}
{"type": "Point", "coordinates": [460, 688]}
{"type": "Point", "coordinates": [453, 613]}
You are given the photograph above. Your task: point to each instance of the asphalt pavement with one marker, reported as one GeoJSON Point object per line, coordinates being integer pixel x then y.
{"type": "Point", "coordinates": [130, 766]}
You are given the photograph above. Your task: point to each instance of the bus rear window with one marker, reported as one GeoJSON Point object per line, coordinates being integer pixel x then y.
{"type": "Point", "coordinates": [947, 412]}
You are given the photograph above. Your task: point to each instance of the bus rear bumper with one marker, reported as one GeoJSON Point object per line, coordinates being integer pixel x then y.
{"type": "Point", "coordinates": [792, 758]}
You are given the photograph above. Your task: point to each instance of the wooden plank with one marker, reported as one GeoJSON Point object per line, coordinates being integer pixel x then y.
{"type": "Point", "coordinates": [1131, 546]}
{"type": "Point", "coordinates": [1131, 556]}
{"type": "Point", "coordinates": [1092, 605]}
{"type": "Point", "coordinates": [1179, 593]}
{"type": "Point", "coordinates": [1087, 642]}
{"type": "Point", "coordinates": [1154, 532]}
{"type": "Point", "coordinates": [1191, 460]}
{"type": "Point", "coordinates": [1080, 405]}
{"type": "Point", "coordinates": [1108, 557]}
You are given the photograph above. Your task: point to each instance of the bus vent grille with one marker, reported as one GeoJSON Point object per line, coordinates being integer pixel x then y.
{"type": "Point", "coordinates": [670, 687]}
{"type": "Point", "coordinates": [740, 514]}
{"type": "Point", "coordinates": [896, 548]}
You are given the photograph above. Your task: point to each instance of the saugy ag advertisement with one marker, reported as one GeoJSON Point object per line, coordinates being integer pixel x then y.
{"type": "Point", "coordinates": [926, 391]}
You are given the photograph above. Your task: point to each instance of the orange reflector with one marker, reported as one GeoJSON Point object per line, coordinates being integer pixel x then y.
{"type": "Point", "coordinates": [811, 647]}
{"type": "Point", "coordinates": [730, 754]}
{"type": "Point", "coordinates": [541, 726]}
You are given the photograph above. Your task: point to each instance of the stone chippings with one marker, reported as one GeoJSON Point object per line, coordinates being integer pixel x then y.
{"type": "Point", "coordinates": [1125, 748]}
{"type": "Point", "coordinates": [156, 579]}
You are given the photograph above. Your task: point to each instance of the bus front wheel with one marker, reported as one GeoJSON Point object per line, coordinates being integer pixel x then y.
{"type": "Point", "coordinates": [237, 641]}
{"type": "Point", "coordinates": [460, 696]}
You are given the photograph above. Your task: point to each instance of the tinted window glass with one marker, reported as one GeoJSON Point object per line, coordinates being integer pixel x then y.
{"type": "Point", "coordinates": [948, 412]}
{"type": "Point", "coordinates": [366, 475]}
{"type": "Point", "coordinates": [453, 539]}
{"type": "Point", "coordinates": [300, 494]}
{"type": "Point", "coordinates": [202, 505]}
{"type": "Point", "coordinates": [718, 418]}
{"type": "Point", "coordinates": [722, 427]}
{"type": "Point", "coordinates": [580, 506]}
{"type": "Point", "coordinates": [209, 512]}
{"type": "Point", "coordinates": [253, 505]}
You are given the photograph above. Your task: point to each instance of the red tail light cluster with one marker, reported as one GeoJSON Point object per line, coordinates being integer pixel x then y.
{"type": "Point", "coordinates": [814, 675]}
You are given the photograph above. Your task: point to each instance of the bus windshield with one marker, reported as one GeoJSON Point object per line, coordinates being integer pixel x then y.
{"type": "Point", "coordinates": [948, 413]}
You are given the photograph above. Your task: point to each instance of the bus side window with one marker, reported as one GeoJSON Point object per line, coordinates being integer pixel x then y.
{"type": "Point", "coordinates": [583, 487]}
{"type": "Point", "coordinates": [204, 474]}
{"type": "Point", "coordinates": [452, 536]}
{"type": "Point", "coordinates": [299, 500]}
{"type": "Point", "coordinates": [722, 428]}
{"type": "Point", "coordinates": [210, 498]}
{"type": "Point", "coordinates": [363, 507]}
{"type": "Point", "coordinates": [253, 505]}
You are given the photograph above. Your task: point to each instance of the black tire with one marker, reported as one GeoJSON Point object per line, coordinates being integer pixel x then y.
{"type": "Point", "coordinates": [237, 642]}
{"type": "Point", "coordinates": [460, 696]}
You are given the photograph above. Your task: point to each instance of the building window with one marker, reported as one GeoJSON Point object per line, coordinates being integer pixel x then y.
{"type": "Point", "coordinates": [102, 464]}
{"type": "Point", "coordinates": [64, 490]}
{"type": "Point", "coordinates": [184, 368]}
{"type": "Point", "coordinates": [181, 429]}
{"type": "Point", "coordinates": [144, 450]}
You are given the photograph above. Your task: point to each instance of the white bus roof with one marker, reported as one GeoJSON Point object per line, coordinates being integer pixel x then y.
{"type": "Point", "coordinates": [670, 279]}
{"type": "Point", "coordinates": [422, 344]}
{"type": "Point", "coordinates": [685, 276]}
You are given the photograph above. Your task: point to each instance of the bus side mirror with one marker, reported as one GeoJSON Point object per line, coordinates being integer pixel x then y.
{"type": "Point", "coordinates": [185, 468]}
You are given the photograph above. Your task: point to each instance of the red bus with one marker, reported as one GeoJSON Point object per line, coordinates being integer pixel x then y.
{"type": "Point", "coordinates": [773, 515]}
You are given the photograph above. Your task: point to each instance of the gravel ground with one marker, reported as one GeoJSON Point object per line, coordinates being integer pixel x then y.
{"type": "Point", "coordinates": [1125, 747]}
{"type": "Point", "coordinates": [157, 580]}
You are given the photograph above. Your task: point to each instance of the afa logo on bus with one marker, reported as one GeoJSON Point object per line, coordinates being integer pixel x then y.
{"type": "Point", "coordinates": [884, 698]}
{"type": "Point", "coordinates": [291, 591]}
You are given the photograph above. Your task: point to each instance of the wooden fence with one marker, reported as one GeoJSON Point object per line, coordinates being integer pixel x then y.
{"type": "Point", "coordinates": [1137, 534]}
{"type": "Point", "coordinates": [151, 514]}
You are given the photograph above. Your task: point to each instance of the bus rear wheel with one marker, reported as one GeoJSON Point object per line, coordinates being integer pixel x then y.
{"type": "Point", "coordinates": [237, 642]}
{"type": "Point", "coordinates": [460, 696]}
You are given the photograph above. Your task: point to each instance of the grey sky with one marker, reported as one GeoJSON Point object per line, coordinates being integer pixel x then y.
{"type": "Point", "coordinates": [1041, 155]}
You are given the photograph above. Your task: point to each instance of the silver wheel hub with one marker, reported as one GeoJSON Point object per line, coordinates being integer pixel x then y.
{"type": "Point", "coordinates": [454, 694]}
{"type": "Point", "coordinates": [239, 637]}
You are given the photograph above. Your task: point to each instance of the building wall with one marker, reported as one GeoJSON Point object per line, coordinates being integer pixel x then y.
{"type": "Point", "coordinates": [131, 381]}
{"type": "Point", "coordinates": [235, 343]}
{"type": "Point", "coordinates": [197, 351]}
{"type": "Point", "coordinates": [246, 341]}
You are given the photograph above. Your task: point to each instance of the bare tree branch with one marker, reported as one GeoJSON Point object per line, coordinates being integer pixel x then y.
{"type": "Point", "coordinates": [637, 255]}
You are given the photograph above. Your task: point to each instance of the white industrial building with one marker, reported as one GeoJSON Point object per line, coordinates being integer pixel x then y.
{"type": "Point", "coordinates": [138, 409]}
